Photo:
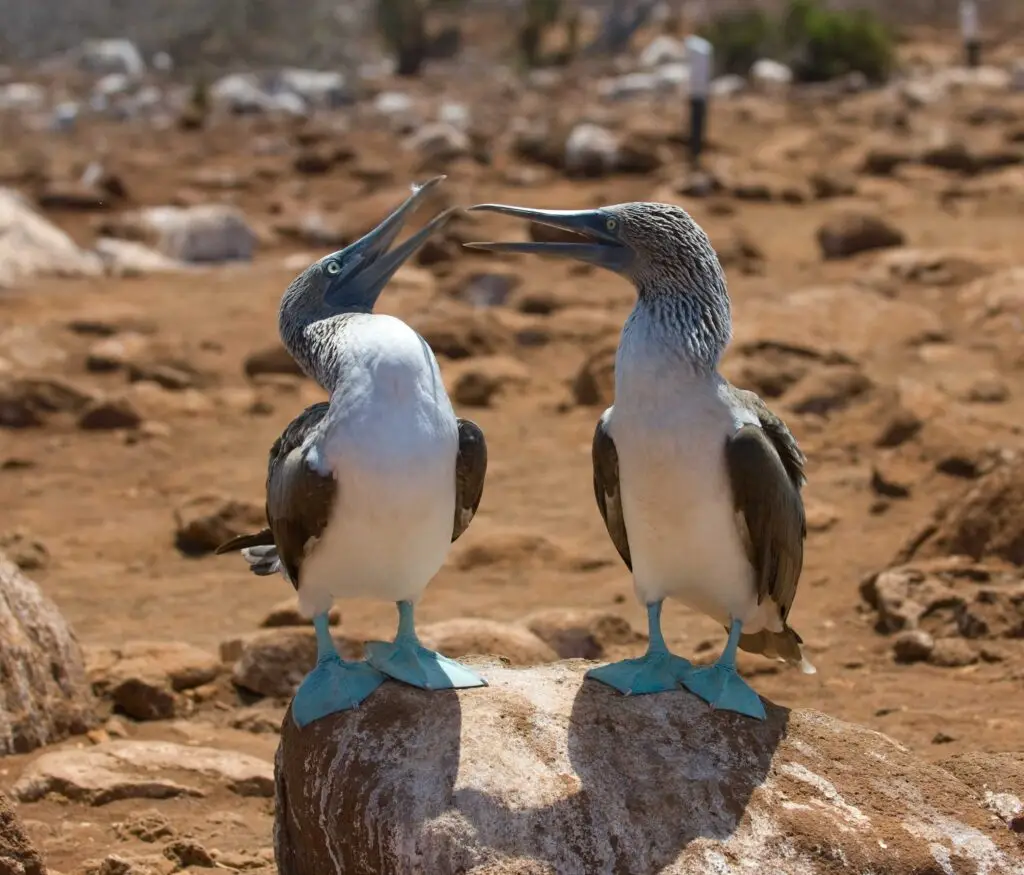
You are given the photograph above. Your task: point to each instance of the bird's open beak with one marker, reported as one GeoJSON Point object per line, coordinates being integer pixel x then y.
{"type": "Point", "coordinates": [370, 265]}
{"type": "Point", "coordinates": [599, 243]}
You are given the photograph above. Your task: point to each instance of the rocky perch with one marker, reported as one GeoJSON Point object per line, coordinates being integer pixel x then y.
{"type": "Point", "coordinates": [541, 773]}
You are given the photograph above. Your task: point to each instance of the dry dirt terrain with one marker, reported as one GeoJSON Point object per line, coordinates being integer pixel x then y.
{"type": "Point", "coordinates": [898, 363]}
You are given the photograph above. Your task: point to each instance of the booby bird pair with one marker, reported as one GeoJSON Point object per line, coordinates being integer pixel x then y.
{"type": "Point", "coordinates": [697, 481]}
{"type": "Point", "coordinates": [367, 491]}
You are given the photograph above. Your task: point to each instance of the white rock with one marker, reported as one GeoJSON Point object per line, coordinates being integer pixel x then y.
{"type": "Point", "coordinates": [672, 77]}
{"type": "Point", "coordinates": [454, 114]}
{"type": "Point", "coordinates": [438, 141]}
{"type": "Point", "coordinates": [31, 246]}
{"type": "Point", "coordinates": [728, 85]}
{"type": "Point", "coordinates": [541, 772]}
{"type": "Point", "coordinates": [22, 96]}
{"type": "Point", "coordinates": [205, 233]}
{"type": "Point", "coordinates": [245, 93]}
{"type": "Point", "coordinates": [117, 770]}
{"type": "Point", "coordinates": [112, 56]}
{"type": "Point", "coordinates": [393, 103]}
{"type": "Point", "coordinates": [591, 148]}
{"type": "Point", "coordinates": [767, 72]}
{"type": "Point", "coordinates": [127, 258]}
{"type": "Point", "coordinates": [663, 49]}
{"type": "Point", "coordinates": [323, 88]}
{"type": "Point", "coordinates": [629, 87]}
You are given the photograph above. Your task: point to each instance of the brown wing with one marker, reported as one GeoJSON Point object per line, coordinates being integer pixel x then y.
{"type": "Point", "coordinates": [288, 487]}
{"type": "Point", "coordinates": [470, 470]}
{"type": "Point", "coordinates": [770, 514]}
{"type": "Point", "coordinates": [606, 487]}
{"type": "Point", "coordinates": [781, 438]}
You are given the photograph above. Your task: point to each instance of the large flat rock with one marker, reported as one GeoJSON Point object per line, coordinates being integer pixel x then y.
{"type": "Point", "coordinates": [542, 772]}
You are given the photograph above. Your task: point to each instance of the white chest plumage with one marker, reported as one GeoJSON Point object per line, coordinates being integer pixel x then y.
{"type": "Point", "coordinates": [670, 425]}
{"type": "Point", "coordinates": [391, 439]}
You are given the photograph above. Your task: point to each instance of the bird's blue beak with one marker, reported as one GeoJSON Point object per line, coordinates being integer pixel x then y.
{"type": "Point", "coordinates": [367, 266]}
{"type": "Point", "coordinates": [600, 243]}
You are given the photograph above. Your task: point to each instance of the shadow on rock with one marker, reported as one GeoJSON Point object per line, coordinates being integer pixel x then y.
{"type": "Point", "coordinates": [650, 774]}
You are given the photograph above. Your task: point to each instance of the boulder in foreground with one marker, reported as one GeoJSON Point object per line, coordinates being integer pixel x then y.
{"type": "Point", "coordinates": [541, 772]}
{"type": "Point", "coordinates": [44, 692]}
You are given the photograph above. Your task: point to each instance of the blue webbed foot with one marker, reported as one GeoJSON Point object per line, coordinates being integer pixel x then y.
{"type": "Point", "coordinates": [334, 685]}
{"type": "Point", "coordinates": [406, 660]}
{"type": "Point", "coordinates": [413, 664]}
{"type": "Point", "coordinates": [657, 671]}
{"type": "Point", "coordinates": [722, 688]}
{"type": "Point", "coordinates": [654, 672]}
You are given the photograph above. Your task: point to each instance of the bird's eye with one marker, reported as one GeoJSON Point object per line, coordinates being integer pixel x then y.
{"type": "Point", "coordinates": [333, 268]}
{"type": "Point", "coordinates": [611, 224]}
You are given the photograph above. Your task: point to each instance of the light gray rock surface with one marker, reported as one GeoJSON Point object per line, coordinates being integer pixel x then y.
{"type": "Point", "coordinates": [44, 693]}
{"type": "Point", "coordinates": [116, 770]}
{"type": "Point", "coordinates": [542, 773]}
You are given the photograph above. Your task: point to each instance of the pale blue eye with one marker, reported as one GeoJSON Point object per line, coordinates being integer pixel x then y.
{"type": "Point", "coordinates": [611, 224]}
{"type": "Point", "coordinates": [333, 268]}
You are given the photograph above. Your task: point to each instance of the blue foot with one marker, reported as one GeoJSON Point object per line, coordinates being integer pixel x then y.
{"type": "Point", "coordinates": [406, 660]}
{"type": "Point", "coordinates": [722, 688]}
{"type": "Point", "coordinates": [413, 664]}
{"type": "Point", "coordinates": [334, 684]}
{"type": "Point", "coordinates": [654, 672]}
{"type": "Point", "coordinates": [657, 671]}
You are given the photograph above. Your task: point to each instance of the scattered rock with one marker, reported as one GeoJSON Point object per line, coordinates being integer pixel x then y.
{"type": "Point", "coordinates": [531, 798]}
{"type": "Point", "coordinates": [476, 383]}
{"type": "Point", "coordinates": [463, 335]}
{"type": "Point", "coordinates": [984, 522]}
{"type": "Point", "coordinates": [117, 770]}
{"type": "Point", "coordinates": [827, 390]}
{"type": "Point", "coordinates": [273, 662]}
{"type": "Point", "coordinates": [31, 246]}
{"type": "Point", "coordinates": [109, 415]}
{"type": "Point", "coordinates": [948, 598]}
{"type": "Point", "coordinates": [18, 856]}
{"type": "Point", "coordinates": [594, 384]}
{"type": "Point", "coordinates": [27, 402]}
{"type": "Point", "coordinates": [258, 719]}
{"type": "Point", "coordinates": [273, 360]}
{"type": "Point", "coordinates": [286, 613]}
{"type": "Point", "coordinates": [44, 692]}
{"type": "Point", "coordinates": [849, 233]}
{"type": "Point", "coordinates": [490, 547]}
{"type": "Point", "coordinates": [914, 645]}
{"type": "Point", "coordinates": [28, 553]}
{"type": "Point", "coordinates": [890, 481]}
{"type": "Point", "coordinates": [116, 353]}
{"type": "Point", "coordinates": [188, 852]}
{"type": "Point", "coordinates": [952, 653]}
{"type": "Point", "coordinates": [143, 678]}
{"type": "Point", "coordinates": [582, 634]}
{"type": "Point", "coordinates": [464, 636]}
{"type": "Point", "coordinates": [146, 826]}
{"type": "Point", "coordinates": [205, 233]}
{"type": "Point", "coordinates": [590, 151]}
{"type": "Point", "coordinates": [205, 522]}
{"type": "Point", "coordinates": [901, 426]}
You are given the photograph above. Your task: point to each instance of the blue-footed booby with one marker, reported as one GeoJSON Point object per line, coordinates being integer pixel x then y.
{"type": "Point", "coordinates": [698, 482]}
{"type": "Point", "coordinates": [367, 491]}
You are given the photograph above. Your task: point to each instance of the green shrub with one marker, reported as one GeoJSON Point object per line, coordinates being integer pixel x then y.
{"type": "Point", "coordinates": [818, 43]}
{"type": "Point", "coordinates": [823, 44]}
{"type": "Point", "coordinates": [403, 27]}
{"type": "Point", "coordinates": [740, 38]}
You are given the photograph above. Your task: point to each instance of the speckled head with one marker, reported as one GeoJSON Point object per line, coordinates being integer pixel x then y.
{"type": "Point", "coordinates": [352, 279]}
{"type": "Point", "coordinates": [657, 246]}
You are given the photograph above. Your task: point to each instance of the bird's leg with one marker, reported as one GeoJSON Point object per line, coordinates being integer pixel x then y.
{"type": "Point", "coordinates": [721, 686]}
{"type": "Point", "coordinates": [657, 671]}
{"type": "Point", "coordinates": [406, 659]}
{"type": "Point", "coordinates": [334, 684]}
